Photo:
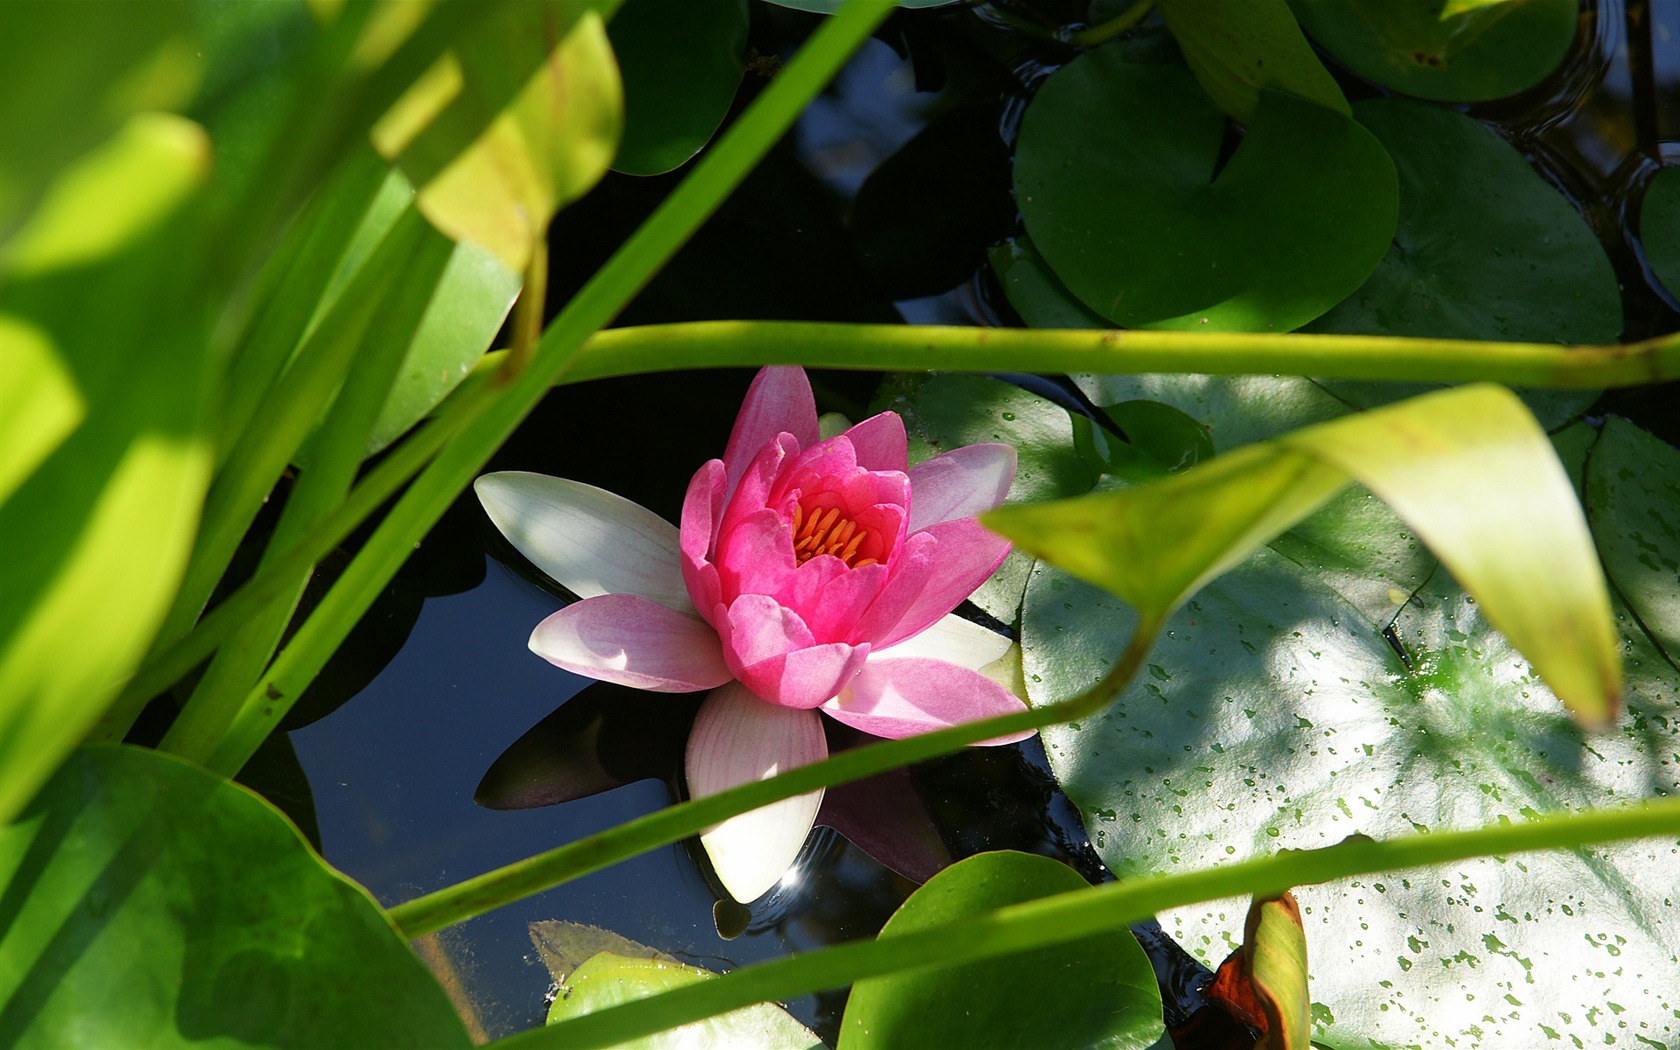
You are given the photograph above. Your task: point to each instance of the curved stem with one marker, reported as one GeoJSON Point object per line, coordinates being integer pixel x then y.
{"type": "Point", "coordinates": [709, 344]}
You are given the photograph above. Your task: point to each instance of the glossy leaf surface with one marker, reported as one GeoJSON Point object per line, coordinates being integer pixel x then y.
{"type": "Point", "coordinates": [1095, 992]}
{"type": "Point", "coordinates": [1441, 50]}
{"type": "Point", "coordinates": [1118, 179]}
{"type": "Point", "coordinates": [248, 938]}
{"type": "Point", "coordinates": [681, 64]}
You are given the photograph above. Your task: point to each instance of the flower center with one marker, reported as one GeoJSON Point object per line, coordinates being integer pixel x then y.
{"type": "Point", "coordinates": [826, 532]}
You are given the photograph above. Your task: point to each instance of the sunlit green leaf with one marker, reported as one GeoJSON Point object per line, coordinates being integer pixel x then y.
{"type": "Point", "coordinates": [1237, 48]}
{"type": "Point", "coordinates": [74, 74]}
{"type": "Point", "coordinates": [1659, 228]}
{"type": "Point", "coordinates": [39, 402]}
{"type": "Point", "coordinates": [608, 980]}
{"type": "Point", "coordinates": [149, 903]}
{"type": "Point", "coordinates": [1115, 176]}
{"type": "Point", "coordinates": [125, 186]}
{"type": "Point", "coordinates": [103, 522]}
{"type": "Point", "coordinates": [495, 160]}
{"type": "Point", "coordinates": [1467, 469]}
{"type": "Point", "coordinates": [681, 64]}
{"type": "Point", "coordinates": [1450, 52]}
{"type": "Point", "coordinates": [1632, 495]}
{"type": "Point", "coordinates": [1097, 992]}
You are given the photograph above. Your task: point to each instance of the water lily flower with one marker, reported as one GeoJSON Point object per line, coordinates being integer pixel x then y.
{"type": "Point", "coordinates": [807, 576]}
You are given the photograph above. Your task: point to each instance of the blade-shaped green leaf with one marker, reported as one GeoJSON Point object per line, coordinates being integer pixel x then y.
{"type": "Point", "coordinates": [495, 159]}
{"type": "Point", "coordinates": [148, 903]}
{"type": "Point", "coordinates": [1237, 48]}
{"type": "Point", "coordinates": [1467, 469]}
{"type": "Point", "coordinates": [1096, 992]}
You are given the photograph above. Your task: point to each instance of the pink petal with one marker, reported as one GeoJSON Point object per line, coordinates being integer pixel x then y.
{"type": "Point", "coordinates": [779, 401]}
{"type": "Point", "coordinates": [756, 556]}
{"type": "Point", "coordinates": [804, 678]}
{"type": "Point", "coordinates": [835, 611]}
{"type": "Point", "coordinates": [702, 507]}
{"type": "Point", "coordinates": [880, 442]}
{"type": "Point", "coordinates": [633, 641]}
{"type": "Point", "coordinates": [738, 739]}
{"type": "Point", "coordinates": [759, 485]}
{"type": "Point", "coordinates": [758, 627]}
{"type": "Point", "coordinates": [966, 556]}
{"type": "Point", "coordinates": [960, 484]}
{"type": "Point", "coordinates": [900, 698]}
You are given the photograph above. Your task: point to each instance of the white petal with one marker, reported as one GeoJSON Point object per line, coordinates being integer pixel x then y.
{"type": "Point", "coordinates": [589, 540]}
{"type": "Point", "coordinates": [738, 738]}
{"type": "Point", "coordinates": [955, 641]}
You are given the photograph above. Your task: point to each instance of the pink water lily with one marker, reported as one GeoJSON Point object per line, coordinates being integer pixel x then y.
{"type": "Point", "coordinates": [807, 575]}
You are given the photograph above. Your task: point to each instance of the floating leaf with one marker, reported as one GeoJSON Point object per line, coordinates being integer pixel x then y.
{"type": "Point", "coordinates": [1035, 293]}
{"type": "Point", "coordinates": [1453, 52]}
{"type": "Point", "coordinates": [152, 904]}
{"type": "Point", "coordinates": [681, 64]}
{"type": "Point", "coordinates": [1237, 48]}
{"type": "Point", "coordinates": [1098, 991]}
{"type": "Point", "coordinates": [1485, 249]}
{"type": "Point", "coordinates": [1273, 714]}
{"type": "Point", "coordinates": [1520, 545]}
{"type": "Point", "coordinates": [828, 7]}
{"type": "Point", "coordinates": [1632, 490]}
{"type": "Point", "coordinates": [1235, 410]}
{"type": "Point", "coordinates": [1659, 228]}
{"type": "Point", "coordinates": [609, 980]}
{"type": "Point", "coordinates": [1118, 179]}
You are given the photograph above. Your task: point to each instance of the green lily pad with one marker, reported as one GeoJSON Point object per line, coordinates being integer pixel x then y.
{"type": "Point", "coordinates": [1117, 178]}
{"type": "Point", "coordinates": [1450, 53]}
{"type": "Point", "coordinates": [607, 980]}
{"type": "Point", "coordinates": [1632, 484]}
{"type": "Point", "coordinates": [1096, 992]}
{"type": "Point", "coordinates": [828, 7]}
{"type": "Point", "coordinates": [681, 64]}
{"type": "Point", "coordinates": [149, 903]}
{"type": "Point", "coordinates": [1035, 292]}
{"type": "Point", "coordinates": [1485, 249]}
{"type": "Point", "coordinates": [1273, 713]}
{"type": "Point", "coordinates": [1659, 228]}
{"type": "Point", "coordinates": [1237, 48]}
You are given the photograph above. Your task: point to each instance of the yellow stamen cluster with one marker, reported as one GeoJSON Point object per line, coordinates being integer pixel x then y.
{"type": "Point", "coordinates": [826, 532]}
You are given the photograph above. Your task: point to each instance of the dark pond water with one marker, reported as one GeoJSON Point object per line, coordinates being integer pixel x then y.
{"type": "Point", "coordinates": [393, 770]}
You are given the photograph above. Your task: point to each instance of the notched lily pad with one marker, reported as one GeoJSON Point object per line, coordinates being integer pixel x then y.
{"type": "Point", "coordinates": [1439, 50]}
{"type": "Point", "coordinates": [681, 64]}
{"type": "Point", "coordinates": [1118, 180]}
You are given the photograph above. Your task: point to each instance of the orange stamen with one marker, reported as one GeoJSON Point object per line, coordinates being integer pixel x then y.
{"type": "Point", "coordinates": [826, 532]}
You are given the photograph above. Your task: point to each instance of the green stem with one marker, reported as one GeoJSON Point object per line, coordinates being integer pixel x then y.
{"type": "Point", "coordinates": [1068, 916]}
{"type": "Point", "coordinates": [505, 885]}
{"type": "Point", "coordinates": [709, 344]}
{"type": "Point", "coordinates": [1103, 32]}
{"type": "Point", "coordinates": [612, 287]}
